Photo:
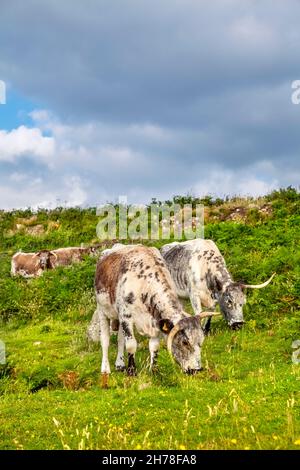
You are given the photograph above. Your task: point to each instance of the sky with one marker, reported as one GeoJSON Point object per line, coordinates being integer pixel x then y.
{"type": "Point", "coordinates": [147, 99]}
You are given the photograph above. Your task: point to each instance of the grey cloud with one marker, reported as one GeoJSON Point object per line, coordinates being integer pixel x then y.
{"type": "Point", "coordinates": [190, 90]}
{"type": "Point", "coordinates": [140, 60]}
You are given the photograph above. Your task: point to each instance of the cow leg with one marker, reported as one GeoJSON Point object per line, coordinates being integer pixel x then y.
{"type": "Point", "coordinates": [153, 347]}
{"type": "Point", "coordinates": [130, 343]}
{"type": "Point", "coordinates": [120, 363]}
{"type": "Point", "coordinates": [195, 301]}
{"type": "Point", "coordinates": [93, 331]}
{"type": "Point", "coordinates": [196, 304]}
{"type": "Point", "coordinates": [104, 337]}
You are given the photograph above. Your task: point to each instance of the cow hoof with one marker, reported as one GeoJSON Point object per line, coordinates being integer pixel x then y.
{"type": "Point", "coordinates": [154, 370]}
{"type": "Point", "coordinates": [120, 368]}
{"type": "Point", "coordinates": [193, 371]}
{"type": "Point", "coordinates": [131, 372]}
{"type": "Point", "coordinates": [104, 380]}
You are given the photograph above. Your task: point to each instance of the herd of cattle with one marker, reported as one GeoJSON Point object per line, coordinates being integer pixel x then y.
{"type": "Point", "coordinates": [139, 287]}
{"type": "Point", "coordinates": [30, 265]}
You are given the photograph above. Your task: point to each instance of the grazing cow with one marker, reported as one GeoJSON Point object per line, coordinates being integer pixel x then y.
{"type": "Point", "coordinates": [200, 274]}
{"type": "Point", "coordinates": [133, 286]}
{"type": "Point", "coordinates": [31, 265]}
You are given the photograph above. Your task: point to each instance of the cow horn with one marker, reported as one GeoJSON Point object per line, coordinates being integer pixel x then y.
{"type": "Point", "coordinates": [176, 328]}
{"type": "Point", "coordinates": [258, 286]}
{"type": "Point", "coordinates": [207, 314]}
{"type": "Point", "coordinates": [171, 335]}
{"type": "Point", "coordinates": [52, 253]}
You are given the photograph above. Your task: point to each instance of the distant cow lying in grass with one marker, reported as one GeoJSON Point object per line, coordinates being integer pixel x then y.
{"type": "Point", "coordinates": [200, 274]}
{"type": "Point", "coordinates": [34, 264]}
{"type": "Point", "coordinates": [31, 264]}
{"type": "Point", "coordinates": [134, 286]}
{"type": "Point", "coordinates": [70, 255]}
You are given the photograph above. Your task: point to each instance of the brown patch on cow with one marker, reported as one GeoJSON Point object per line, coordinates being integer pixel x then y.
{"type": "Point", "coordinates": [109, 270]}
{"type": "Point", "coordinates": [144, 297]}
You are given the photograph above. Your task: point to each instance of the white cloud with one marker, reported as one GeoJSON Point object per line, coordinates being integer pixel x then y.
{"type": "Point", "coordinates": [222, 182]}
{"type": "Point", "coordinates": [22, 192]}
{"type": "Point", "coordinates": [17, 177]}
{"type": "Point", "coordinates": [77, 196]}
{"type": "Point", "coordinates": [92, 163]}
{"type": "Point", "coordinates": [25, 141]}
{"type": "Point", "coordinates": [252, 32]}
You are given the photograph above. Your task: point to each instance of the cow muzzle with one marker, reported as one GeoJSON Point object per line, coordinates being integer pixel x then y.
{"type": "Point", "coordinates": [237, 325]}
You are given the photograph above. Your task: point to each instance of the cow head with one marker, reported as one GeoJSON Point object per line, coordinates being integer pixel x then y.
{"type": "Point", "coordinates": [232, 300]}
{"type": "Point", "coordinates": [46, 259]}
{"type": "Point", "coordinates": [185, 340]}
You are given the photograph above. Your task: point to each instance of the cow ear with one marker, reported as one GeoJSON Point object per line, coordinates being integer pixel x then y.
{"type": "Point", "coordinates": [218, 285]}
{"type": "Point", "coordinates": [165, 325]}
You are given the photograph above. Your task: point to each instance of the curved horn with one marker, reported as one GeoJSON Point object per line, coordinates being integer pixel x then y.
{"type": "Point", "coordinates": [171, 335]}
{"type": "Point", "coordinates": [207, 314]}
{"type": "Point", "coordinates": [176, 328]}
{"type": "Point", "coordinates": [52, 253]}
{"type": "Point", "coordinates": [258, 286]}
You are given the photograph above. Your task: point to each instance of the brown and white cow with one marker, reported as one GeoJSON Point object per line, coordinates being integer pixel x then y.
{"type": "Point", "coordinates": [200, 274]}
{"type": "Point", "coordinates": [70, 255]}
{"type": "Point", "coordinates": [134, 286]}
{"type": "Point", "coordinates": [31, 265]}
{"type": "Point", "coordinates": [34, 264]}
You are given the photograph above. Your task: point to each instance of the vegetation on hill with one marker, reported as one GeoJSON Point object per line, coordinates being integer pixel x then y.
{"type": "Point", "coordinates": [247, 396]}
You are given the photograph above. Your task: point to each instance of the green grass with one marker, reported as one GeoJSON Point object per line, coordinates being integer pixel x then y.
{"type": "Point", "coordinates": [247, 397]}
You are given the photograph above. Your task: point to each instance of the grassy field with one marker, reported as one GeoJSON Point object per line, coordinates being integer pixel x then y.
{"type": "Point", "coordinates": [246, 398]}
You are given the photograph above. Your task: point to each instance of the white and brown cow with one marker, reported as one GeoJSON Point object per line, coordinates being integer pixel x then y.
{"type": "Point", "coordinates": [69, 255]}
{"type": "Point", "coordinates": [200, 274]}
{"type": "Point", "coordinates": [31, 265]}
{"type": "Point", "coordinates": [34, 264]}
{"type": "Point", "coordinates": [133, 286]}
